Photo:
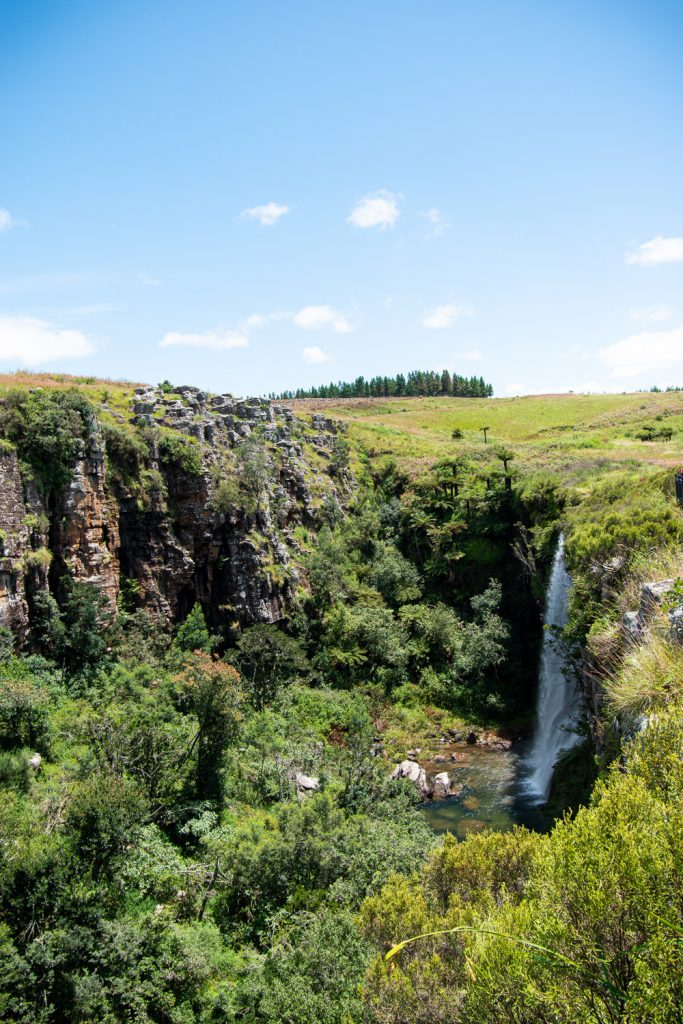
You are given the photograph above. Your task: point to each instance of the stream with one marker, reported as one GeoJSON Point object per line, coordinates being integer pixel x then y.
{"type": "Point", "coordinates": [500, 789]}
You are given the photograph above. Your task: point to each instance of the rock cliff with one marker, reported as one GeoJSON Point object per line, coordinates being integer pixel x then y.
{"type": "Point", "coordinates": [182, 497]}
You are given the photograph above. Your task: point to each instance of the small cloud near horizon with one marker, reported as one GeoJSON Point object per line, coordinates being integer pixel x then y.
{"type": "Point", "coordinates": [267, 214]}
{"type": "Point", "coordinates": [316, 318]}
{"type": "Point", "coordinates": [376, 210]}
{"type": "Point", "coordinates": [315, 355]}
{"type": "Point", "coordinates": [445, 316]}
{"type": "Point", "coordinates": [657, 250]}
{"type": "Point", "coordinates": [219, 340]}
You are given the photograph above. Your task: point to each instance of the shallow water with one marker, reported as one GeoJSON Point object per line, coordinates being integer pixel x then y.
{"type": "Point", "coordinates": [490, 795]}
{"type": "Point", "coordinates": [486, 800]}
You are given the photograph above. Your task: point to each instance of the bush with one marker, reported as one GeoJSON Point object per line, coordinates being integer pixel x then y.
{"type": "Point", "coordinates": [49, 429]}
{"type": "Point", "coordinates": [181, 452]}
{"type": "Point", "coordinates": [126, 452]}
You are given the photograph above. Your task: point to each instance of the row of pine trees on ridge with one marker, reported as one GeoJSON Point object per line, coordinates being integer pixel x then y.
{"type": "Point", "coordinates": [416, 384]}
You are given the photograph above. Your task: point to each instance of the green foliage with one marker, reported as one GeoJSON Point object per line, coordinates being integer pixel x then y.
{"type": "Point", "coordinates": [180, 452]}
{"type": "Point", "coordinates": [397, 579]}
{"type": "Point", "coordinates": [415, 384]}
{"type": "Point", "coordinates": [267, 659]}
{"type": "Point", "coordinates": [102, 818]}
{"type": "Point", "coordinates": [193, 634]}
{"type": "Point", "coordinates": [126, 452]}
{"type": "Point", "coordinates": [254, 467]}
{"type": "Point", "coordinates": [39, 559]}
{"type": "Point", "coordinates": [24, 708]}
{"type": "Point", "coordinates": [210, 691]}
{"type": "Point", "coordinates": [340, 456]}
{"type": "Point", "coordinates": [6, 644]}
{"type": "Point", "coordinates": [311, 976]}
{"type": "Point", "coordinates": [49, 429]}
{"type": "Point", "coordinates": [625, 513]}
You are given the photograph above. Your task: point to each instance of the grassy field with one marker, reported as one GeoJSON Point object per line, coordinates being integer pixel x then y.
{"type": "Point", "coordinates": [570, 433]}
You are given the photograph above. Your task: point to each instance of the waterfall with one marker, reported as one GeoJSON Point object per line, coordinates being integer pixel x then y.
{"type": "Point", "coordinates": [558, 704]}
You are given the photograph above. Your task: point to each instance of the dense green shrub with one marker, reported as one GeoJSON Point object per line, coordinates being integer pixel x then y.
{"type": "Point", "coordinates": [181, 452]}
{"type": "Point", "coordinates": [49, 429]}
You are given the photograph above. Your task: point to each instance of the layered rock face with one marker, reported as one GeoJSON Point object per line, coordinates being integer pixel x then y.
{"type": "Point", "coordinates": [14, 543]}
{"type": "Point", "coordinates": [210, 514]}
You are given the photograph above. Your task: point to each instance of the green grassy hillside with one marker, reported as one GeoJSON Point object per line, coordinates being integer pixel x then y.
{"type": "Point", "coordinates": [546, 430]}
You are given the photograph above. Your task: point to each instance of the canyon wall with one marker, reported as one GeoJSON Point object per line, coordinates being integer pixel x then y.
{"type": "Point", "coordinates": [213, 508]}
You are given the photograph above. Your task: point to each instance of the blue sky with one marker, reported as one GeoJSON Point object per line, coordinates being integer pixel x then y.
{"type": "Point", "coordinates": [256, 196]}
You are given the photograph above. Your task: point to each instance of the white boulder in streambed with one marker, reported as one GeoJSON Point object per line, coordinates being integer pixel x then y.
{"type": "Point", "coordinates": [442, 786]}
{"type": "Point", "coordinates": [417, 775]}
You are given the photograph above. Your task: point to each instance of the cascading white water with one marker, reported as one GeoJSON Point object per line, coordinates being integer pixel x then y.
{"type": "Point", "coordinates": [558, 704]}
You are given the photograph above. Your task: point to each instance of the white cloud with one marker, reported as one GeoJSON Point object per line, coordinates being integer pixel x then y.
{"type": "Point", "coordinates": [657, 250]}
{"type": "Point", "coordinates": [376, 210]}
{"type": "Point", "coordinates": [147, 280]}
{"type": "Point", "coordinates": [644, 353]}
{"type": "Point", "coordinates": [6, 220]}
{"type": "Point", "coordinates": [439, 221]}
{"type": "Point", "coordinates": [471, 353]}
{"type": "Point", "coordinates": [315, 355]}
{"type": "Point", "coordinates": [219, 340]}
{"type": "Point", "coordinates": [30, 341]}
{"type": "Point", "coordinates": [267, 214]}
{"type": "Point", "coordinates": [655, 313]}
{"type": "Point", "coordinates": [316, 318]}
{"type": "Point", "coordinates": [93, 310]}
{"type": "Point", "coordinates": [445, 316]}
{"type": "Point", "coordinates": [257, 321]}
{"type": "Point", "coordinates": [222, 339]}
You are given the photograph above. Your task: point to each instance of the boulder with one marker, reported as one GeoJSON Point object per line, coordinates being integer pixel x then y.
{"type": "Point", "coordinates": [676, 625]}
{"type": "Point", "coordinates": [442, 786]}
{"type": "Point", "coordinates": [305, 784]}
{"type": "Point", "coordinates": [35, 761]}
{"type": "Point", "coordinates": [418, 776]}
{"type": "Point", "coordinates": [652, 597]}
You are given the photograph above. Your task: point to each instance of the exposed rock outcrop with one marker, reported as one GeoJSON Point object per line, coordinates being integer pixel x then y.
{"type": "Point", "coordinates": [442, 786]}
{"type": "Point", "coordinates": [14, 544]}
{"type": "Point", "coordinates": [210, 513]}
{"type": "Point", "coordinates": [305, 785]}
{"type": "Point", "coordinates": [412, 771]}
{"type": "Point", "coordinates": [653, 596]}
{"type": "Point", "coordinates": [85, 535]}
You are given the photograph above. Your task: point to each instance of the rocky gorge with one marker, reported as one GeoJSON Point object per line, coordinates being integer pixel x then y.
{"type": "Point", "coordinates": [176, 498]}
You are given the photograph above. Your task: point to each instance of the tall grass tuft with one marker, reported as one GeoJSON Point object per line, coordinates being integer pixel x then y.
{"type": "Point", "coordinates": [650, 677]}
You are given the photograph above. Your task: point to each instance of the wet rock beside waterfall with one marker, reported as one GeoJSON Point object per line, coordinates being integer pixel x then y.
{"type": "Point", "coordinates": [492, 741]}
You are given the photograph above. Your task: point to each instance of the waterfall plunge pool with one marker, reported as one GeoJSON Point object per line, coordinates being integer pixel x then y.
{"type": "Point", "coordinates": [500, 789]}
